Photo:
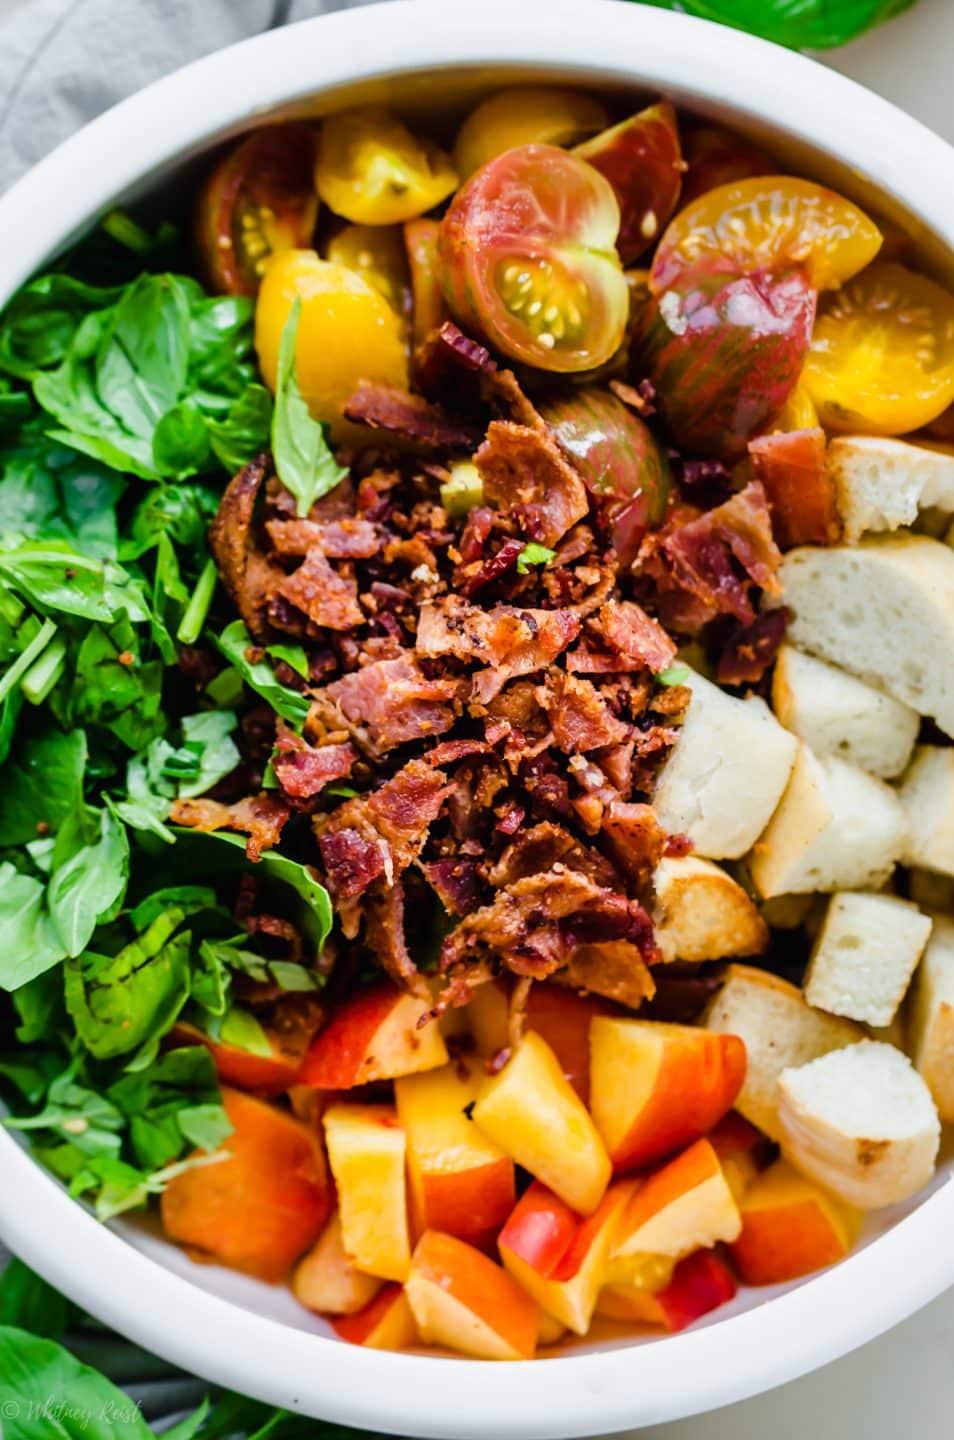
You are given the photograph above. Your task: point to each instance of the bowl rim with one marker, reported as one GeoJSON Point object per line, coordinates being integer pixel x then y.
{"type": "Point", "coordinates": [573, 1395]}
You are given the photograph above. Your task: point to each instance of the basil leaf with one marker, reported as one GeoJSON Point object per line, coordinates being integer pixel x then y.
{"type": "Point", "coordinates": [244, 431]}
{"type": "Point", "coordinates": [800, 24]}
{"type": "Point", "coordinates": [209, 736]}
{"type": "Point", "coordinates": [29, 943]}
{"type": "Point", "coordinates": [30, 1303]}
{"type": "Point", "coordinates": [143, 357]}
{"type": "Point", "coordinates": [41, 783]}
{"type": "Point", "coordinates": [533, 554]}
{"type": "Point", "coordinates": [180, 441]}
{"type": "Point", "coordinates": [38, 325]}
{"type": "Point", "coordinates": [44, 1390]}
{"type": "Point", "coordinates": [87, 888]}
{"type": "Point", "coordinates": [293, 655]}
{"type": "Point", "coordinates": [303, 461]}
{"type": "Point", "coordinates": [289, 704]}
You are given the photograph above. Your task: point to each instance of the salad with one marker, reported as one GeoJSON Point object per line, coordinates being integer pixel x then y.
{"type": "Point", "coordinates": [475, 720]}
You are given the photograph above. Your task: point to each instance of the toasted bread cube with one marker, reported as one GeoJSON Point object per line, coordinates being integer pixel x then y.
{"type": "Point", "coordinates": [779, 1029]}
{"type": "Point", "coordinates": [865, 955]}
{"type": "Point", "coordinates": [701, 913]}
{"type": "Point", "coordinates": [931, 1017]}
{"type": "Point", "coordinates": [862, 1122]}
{"type": "Point", "coordinates": [835, 829]}
{"type": "Point", "coordinates": [835, 714]}
{"type": "Point", "coordinates": [881, 484]}
{"type": "Point", "coordinates": [709, 789]}
{"type": "Point", "coordinates": [883, 610]}
{"type": "Point", "coordinates": [927, 796]}
{"type": "Point", "coordinates": [931, 891]}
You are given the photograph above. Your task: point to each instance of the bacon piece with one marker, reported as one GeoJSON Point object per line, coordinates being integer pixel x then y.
{"type": "Point", "coordinates": [615, 969]}
{"type": "Point", "coordinates": [454, 881]}
{"type": "Point", "coordinates": [450, 750]}
{"type": "Point", "coordinates": [635, 838]}
{"type": "Point", "coordinates": [503, 391]}
{"type": "Point", "coordinates": [444, 356]}
{"type": "Point", "coordinates": [349, 538]}
{"type": "Point", "coordinates": [319, 592]}
{"type": "Point", "coordinates": [545, 846]}
{"type": "Point", "coordinates": [302, 770]}
{"type": "Point", "coordinates": [626, 630]}
{"type": "Point", "coordinates": [249, 576]}
{"type": "Point", "coordinates": [579, 717]}
{"type": "Point", "coordinates": [751, 649]}
{"type": "Point", "coordinates": [526, 476]}
{"type": "Point", "coordinates": [493, 568]}
{"type": "Point", "coordinates": [702, 553]}
{"type": "Point", "coordinates": [261, 817]}
{"type": "Point", "coordinates": [427, 426]}
{"type": "Point", "coordinates": [352, 862]}
{"type": "Point", "coordinates": [801, 493]}
{"type": "Point", "coordinates": [385, 938]}
{"type": "Point", "coordinates": [391, 702]}
{"type": "Point", "coordinates": [616, 764]}
{"type": "Point", "coordinates": [510, 641]}
{"type": "Point", "coordinates": [475, 534]}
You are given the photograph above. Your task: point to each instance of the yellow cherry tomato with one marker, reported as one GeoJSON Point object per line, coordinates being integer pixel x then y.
{"type": "Point", "coordinates": [526, 115]}
{"type": "Point", "coordinates": [798, 412]}
{"type": "Point", "coordinates": [378, 253]}
{"type": "Point", "coordinates": [347, 333]}
{"type": "Point", "coordinates": [772, 222]}
{"type": "Point", "coordinates": [372, 170]}
{"type": "Point", "coordinates": [882, 355]}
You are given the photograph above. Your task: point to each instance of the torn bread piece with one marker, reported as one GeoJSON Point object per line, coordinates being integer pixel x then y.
{"type": "Point", "coordinates": [864, 956]}
{"type": "Point", "coordinates": [884, 611]}
{"type": "Point", "coordinates": [837, 714]}
{"type": "Point", "coordinates": [927, 796]}
{"type": "Point", "coordinates": [882, 484]}
{"type": "Point", "coordinates": [726, 773]}
{"type": "Point", "coordinates": [931, 1017]}
{"type": "Point", "coordinates": [779, 1029]}
{"type": "Point", "coordinates": [836, 828]}
{"type": "Point", "coordinates": [701, 913]}
{"type": "Point", "coordinates": [862, 1122]}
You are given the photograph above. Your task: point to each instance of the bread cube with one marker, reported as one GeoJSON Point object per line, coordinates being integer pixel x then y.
{"type": "Point", "coordinates": [836, 828]}
{"type": "Point", "coordinates": [862, 1122]}
{"type": "Point", "coordinates": [701, 913]}
{"type": "Point", "coordinates": [927, 796]}
{"type": "Point", "coordinates": [931, 1017]}
{"type": "Point", "coordinates": [835, 714]}
{"type": "Point", "coordinates": [864, 956]}
{"type": "Point", "coordinates": [930, 890]}
{"type": "Point", "coordinates": [882, 484]}
{"type": "Point", "coordinates": [779, 1029]}
{"type": "Point", "coordinates": [726, 773]}
{"type": "Point", "coordinates": [883, 610]}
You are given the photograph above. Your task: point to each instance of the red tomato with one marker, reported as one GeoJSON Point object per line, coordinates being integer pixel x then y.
{"type": "Point", "coordinates": [723, 353]}
{"type": "Point", "coordinates": [717, 157]}
{"type": "Point", "coordinates": [642, 161]}
{"type": "Point", "coordinates": [259, 199]}
{"type": "Point", "coordinates": [528, 259]}
{"type": "Point", "coordinates": [427, 300]}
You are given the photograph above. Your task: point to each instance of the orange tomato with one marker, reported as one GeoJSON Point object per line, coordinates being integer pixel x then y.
{"type": "Point", "coordinates": [348, 332]}
{"type": "Point", "coordinates": [377, 253]}
{"type": "Point", "coordinates": [773, 222]}
{"type": "Point", "coordinates": [525, 115]}
{"type": "Point", "coordinates": [372, 170]}
{"type": "Point", "coordinates": [882, 356]}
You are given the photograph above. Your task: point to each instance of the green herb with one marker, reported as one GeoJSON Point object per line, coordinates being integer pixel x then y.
{"type": "Point", "coordinates": [533, 554]}
{"type": "Point", "coordinates": [289, 704]}
{"type": "Point", "coordinates": [293, 655]}
{"type": "Point", "coordinates": [303, 460]}
{"type": "Point", "coordinates": [87, 887]}
{"type": "Point", "coordinates": [30, 1303]}
{"type": "Point", "coordinates": [190, 626]}
{"type": "Point", "coordinates": [800, 24]}
{"type": "Point", "coordinates": [674, 675]}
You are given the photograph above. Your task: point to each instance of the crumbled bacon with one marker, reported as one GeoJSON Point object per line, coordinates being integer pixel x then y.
{"type": "Point", "coordinates": [385, 936]}
{"type": "Point", "coordinates": [625, 629]}
{"type": "Point", "coordinates": [525, 474]}
{"type": "Point", "coordinates": [261, 817]}
{"type": "Point", "coordinates": [326, 598]}
{"type": "Point", "coordinates": [392, 702]}
{"type": "Point", "coordinates": [303, 770]}
{"type": "Point", "coordinates": [455, 882]}
{"type": "Point", "coordinates": [579, 716]}
{"type": "Point", "coordinates": [801, 492]}
{"type": "Point", "coordinates": [384, 407]}
{"type": "Point", "coordinates": [751, 649]}
{"type": "Point", "coordinates": [249, 576]}
{"type": "Point", "coordinates": [344, 539]}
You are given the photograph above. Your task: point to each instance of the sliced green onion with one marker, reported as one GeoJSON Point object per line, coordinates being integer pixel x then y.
{"type": "Point", "coordinates": [675, 675]}
{"type": "Point", "coordinates": [26, 658]}
{"type": "Point", "coordinates": [124, 229]}
{"type": "Point", "coordinates": [190, 627]}
{"type": "Point", "coordinates": [45, 671]}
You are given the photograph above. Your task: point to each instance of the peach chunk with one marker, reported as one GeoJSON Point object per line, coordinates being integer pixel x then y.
{"type": "Point", "coordinates": [698, 1285]}
{"type": "Point", "coordinates": [462, 1300]}
{"type": "Point", "coordinates": [461, 1182]}
{"type": "Point", "coordinates": [385, 1324]}
{"type": "Point", "coordinates": [655, 1087]}
{"type": "Point", "coordinates": [266, 1075]}
{"type": "Point", "coordinates": [366, 1148]}
{"type": "Point", "coordinates": [561, 1016]}
{"type": "Point", "coordinates": [743, 1151]}
{"type": "Point", "coordinates": [264, 1205]}
{"type": "Point", "coordinates": [684, 1206]}
{"type": "Point", "coordinates": [790, 1227]}
{"type": "Point", "coordinates": [373, 1036]}
{"type": "Point", "coordinates": [327, 1279]}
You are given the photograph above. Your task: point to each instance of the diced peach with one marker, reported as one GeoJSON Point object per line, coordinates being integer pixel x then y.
{"type": "Point", "coordinates": [743, 1151]}
{"type": "Point", "coordinates": [656, 1087]}
{"type": "Point", "coordinates": [549, 1330]}
{"type": "Point", "coordinates": [327, 1279]}
{"type": "Point", "coordinates": [699, 1284]}
{"type": "Point", "coordinates": [533, 1113]}
{"type": "Point", "coordinates": [559, 1257]}
{"type": "Point", "coordinates": [261, 1208]}
{"type": "Point", "coordinates": [463, 1301]}
{"type": "Point", "coordinates": [686, 1205]}
{"type": "Point", "coordinates": [366, 1148]}
{"type": "Point", "coordinates": [385, 1324]}
{"type": "Point", "coordinates": [373, 1036]}
{"type": "Point", "coordinates": [461, 1182]}
{"type": "Point", "coordinates": [563, 1018]}
{"type": "Point", "coordinates": [790, 1227]}
{"type": "Point", "coordinates": [264, 1074]}
{"type": "Point", "coordinates": [487, 1012]}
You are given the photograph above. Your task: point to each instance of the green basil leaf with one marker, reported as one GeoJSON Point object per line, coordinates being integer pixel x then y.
{"type": "Point", "coordinates": [244, 431]}
{"type": "Point", "coordinates": [30, 1303]}
{"type": "Point", "coordinates": [87, 888]}
{"type": "Point", "coordinates": [44, 1390]}
{"type": "Point", "coordinates": [293, 655]}
{"type": "Point", "coordinates": [303, 461]}
{"type": "Point", "coordinates": [29, 943]}
{"type": "Point", "coordinates": [143, 357]}
{"type": "Point", "coordinates": [180, 441]}
{"type": "Point", "coordinates": [41, 783]}
{"type": "Point", "coordinates": [39, 323]}
{"type": "Point", "coordinates": [289, 704]}
{"type": "Point", "coordinates": [209, 736]}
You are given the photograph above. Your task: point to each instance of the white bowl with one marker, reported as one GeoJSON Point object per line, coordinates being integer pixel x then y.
{"type": "Point", "coordinates": [427, 54]}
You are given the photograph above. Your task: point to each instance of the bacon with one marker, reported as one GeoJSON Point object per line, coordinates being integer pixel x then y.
{"type": "Point", "coordinates": [615, 969]}
{"type": "Point", "coordinates": [510, 641]}
{"type": "Point", "coordinates": [454, 880]}
{"type": "Point", "coordinates": [638, 640]}
{"type": "Point", "coordinates": [392, 702]}
{"type": "Point", "coordinates": [476, 532]}
{"type": "Point", "coordinates": [579, 717]}
{"type": "Point", "coordinates": [494, 568]}
{"type": "Point", "coordinates": [526, 476]}
{"type": "Point", "coordinates": [635, 838]}
{"type": "Point", "coordinates": [703, 551]}
{"type": "Point", "coordinates": [351, 861]}
{"type": "Point", "coordinates": [302, 770]}
{"type": "Point", "coordinates": [348, 538]}
{"type": "Point", "coordinates": [801, 493]}
{"type": "Point", "coordinates": [751, 649]}
{"type": "Point", "coordinates": [411, 417]}
{"type": "Point", "coordinates": [319, 592]}
{"type": "Point", "coordinates": [545, 846]}
{"type": "Point", "coordinates": [249, 576]}
{"type": "Point", "coordinates": [450, 750]}
{"type": "Point", "coordinates": [385, 938]}
{"type": "Point", "coordinates": [446, 355]}
{"type": "Point", "coordinates": [261, 817]}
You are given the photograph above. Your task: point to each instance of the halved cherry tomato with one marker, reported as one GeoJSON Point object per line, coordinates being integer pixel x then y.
{"type": "Point", "coordinates": [642, 161]}
{"type": "Point", "coordinates": [347, 333]}
{"type": "Point", "coordinates": [427, 298]}
{"type": "Point", "coordinates": [882, 357]}
{"type": "Point", "coordinates": [798, 412]}
{"type": "Point", "coordinates": [768, 223]}
{"type": "Point", "coordinates": [723, 353]}
{"type": "Point", "coordinates": [259, 199]}
{"type": "Point", "coordinates": [719, 157]}
{"type": "Point", "coordinates": [525, 115]}
{"type": "Point", "coordinates": [528, 259]}
{"type": "Point", "coordinates": [376, 252]}
{"type": "Point", "coordinates": [372, 170]}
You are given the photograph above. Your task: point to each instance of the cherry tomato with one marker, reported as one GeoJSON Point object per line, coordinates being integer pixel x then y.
{"type": "Point", "coordinates": [372, 170]}
{"type": "Point", "coordinates": [723, 353]}
{"type": "Point", "coordinates": [347, 333]}
{"type": "Point", "coordinates": [618, 460]}
{"type": "Point", "coordinates": [768, 223]}
{"type": "Point", "coordinates": [882, 357]}
{"type": "Point", "coordinates": [259, 199]}
{"type": "Point", "coordinates": [798, 412]}
{"type": "Point", "coordinates": [642, 161]}
{"type": "Point", "coordinates": [376, 252]}
{"type": "Point", "coordinates": [427, 298]}
{"type": "Point", "coordinates": [719, 157]}
{"type": "Point", "coordinates": [528, 259]}
{"type": "Point", "coordinates": [525, 115]}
